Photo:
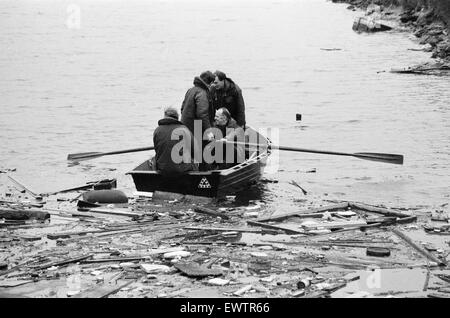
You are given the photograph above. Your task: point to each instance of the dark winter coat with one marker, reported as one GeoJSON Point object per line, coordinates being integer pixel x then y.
{"type": "Point", "coordinates": [197, 105]}
{"type": "Point", "coordinates": [231, 98]}
{"type": "Point", "coordinates": [162, 140]}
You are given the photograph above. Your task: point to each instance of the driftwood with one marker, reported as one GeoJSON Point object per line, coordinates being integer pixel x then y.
{"type": "Point", "coordinates": [23, 214]}
{"type": "Point", "coordinates": [134, 258]}
{"type": "Point", "coordinates": [66, 261]}
{"type": "Point", "coordinates": [421, 250]}
{"type": "Point", "coordinates": [274, 227]}
{"type": "Point", "coordinates": [115, 259]}
{"type": "Point", "coordinates": [374, 209]}
{"type": "Point", "coordinates": [116, 212]}
{"type": "Point", "coordinates": [21, 187]}
{"type": "Point", "coordinates": [210, 212]}
{"type": "Point", "coordinates": [106, 289]}
{"type": "Point", "coordinates": [307, 213]}
{"type": "Point", "coordinates": [334, 225]}
{"type": "Point", "coordinates": [221, 229]}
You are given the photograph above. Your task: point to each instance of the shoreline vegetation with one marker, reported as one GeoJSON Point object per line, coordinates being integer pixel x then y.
{"type": "Point", "coordinates": [428, 19]}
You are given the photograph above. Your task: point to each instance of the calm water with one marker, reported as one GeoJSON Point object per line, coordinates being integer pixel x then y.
{"type": "Point", "coordinates": [101, 87]}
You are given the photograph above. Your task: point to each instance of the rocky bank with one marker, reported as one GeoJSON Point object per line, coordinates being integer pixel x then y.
{"type": "Point", "coordinates": [429, 20]}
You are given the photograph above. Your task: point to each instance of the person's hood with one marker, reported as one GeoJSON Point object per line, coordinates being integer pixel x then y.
{"type": "Point", "coordinates": [200, 83]}
{"type": "Point", "coordinates": [229, 84]}
{"type": "Point", "coordinates": [169, 121]}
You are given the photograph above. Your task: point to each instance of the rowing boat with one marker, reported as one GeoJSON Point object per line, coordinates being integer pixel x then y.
{"type": "Point", "coordinates": [213, 183]}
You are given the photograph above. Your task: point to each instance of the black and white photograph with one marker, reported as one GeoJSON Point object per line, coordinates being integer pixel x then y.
{"type": "Point", "coordinates": [224, 154]}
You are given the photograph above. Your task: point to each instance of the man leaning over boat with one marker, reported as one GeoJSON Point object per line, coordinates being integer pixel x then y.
{"type": "Point", "coordinates": [223, 153]}
{"type": "Point", "coordinates": [226, 93]}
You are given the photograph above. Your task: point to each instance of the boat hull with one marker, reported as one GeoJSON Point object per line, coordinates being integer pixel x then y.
{"type": "Point", "coordinates": [215, 183]}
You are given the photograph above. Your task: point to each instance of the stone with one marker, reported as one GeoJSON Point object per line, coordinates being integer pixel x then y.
{"type": "Point", "coordinates": [259, 254]}
{"type": "Point", "coordinates": [155, 268]}
{"type": "Point", "coordinates": [218, 281]}
{"type": "Point", "coordinates": [128, 265]}
{"type": "Point", "coordinates": [194, 270]}
{"type": "Point", "coordinates": [408, 16]}
{"type": "Point", "coordinates": [71, 293]}
{"type": "Point", "coordinates": [425, 17]}
{"type": "Point", "coordinates": [177, 254]}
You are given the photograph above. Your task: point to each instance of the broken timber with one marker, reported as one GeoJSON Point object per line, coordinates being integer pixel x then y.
{"type": "Point", "coordinates": [66, 261]}
{"type": "Point", "coordinates": [21, 187]}
{"type": "Point", "coordinates": [210, 212]}
{"type": "Point", "coordinates": [311, 213]}
{"type": "Point", "coordinates": [418, 248]}
{"type": "Point", "coordinates": [115, 212]}
{"type": "Point", "coordinates": [219, 229]}
{"type": "Point", "coordinates": [307, 213]}
{"type": "Point", "coordinates": [23, 214]}
{"type": "Point", "coordinates": [275, 227]}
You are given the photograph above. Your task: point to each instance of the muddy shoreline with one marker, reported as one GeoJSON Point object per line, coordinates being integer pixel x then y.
{"type": "Point", "coordinates": [430, 29]}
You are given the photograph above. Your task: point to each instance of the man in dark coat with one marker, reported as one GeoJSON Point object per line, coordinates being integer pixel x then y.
{"type": "Point", "coordinates": [227, 93]}
{"type": "Point", "coordinates": [173, 156]}
{"type": "Point", "coordinates": [197, 105]}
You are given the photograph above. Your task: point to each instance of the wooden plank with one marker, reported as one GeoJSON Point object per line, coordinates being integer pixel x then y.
{"type": "Point", "coordinates": [66, 261]}
{"type": "Point", "coordinates": [59, 235]}
{"type": "Point", "coordinates": [210, 212]}
{"type": "Point", "coordinates": [134, 258]}
{"type": "Point", "coordinates": [114, 259]}
{"type": "Point", "coordinates": [332, 225]}
{"type": "Point", "coordinates": [13, 283]}
{"type": "Point", "coordinates": [115, 212]}
{"type": "Point", "coordinates": [274, 227]}
{"type": "Point", "coordinates": [23, 214]}
{"type": "Point", "coordinates": [219, 229]}
{"type": "Point", "coordinates": [306, 213]}
{"type": "Point", "coordinates": [418, 248]}
{"type": "Point", "coordinates": [374, 209]}
{"type": "Point", "coordinates": [106, 289]}
{"type": "Point", "coordinates": [23, 188]}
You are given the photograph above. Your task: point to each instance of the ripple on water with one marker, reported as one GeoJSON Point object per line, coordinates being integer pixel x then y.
{"type": "Point", "coordinates": [104, 87]}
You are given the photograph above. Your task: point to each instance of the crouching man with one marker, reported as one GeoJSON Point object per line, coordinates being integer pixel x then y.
{"type": "Point", "coordinates": [174, 144]}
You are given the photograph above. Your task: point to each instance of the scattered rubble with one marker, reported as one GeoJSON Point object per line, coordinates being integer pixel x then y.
{"type": "Point", "coordinates": [171, 248]}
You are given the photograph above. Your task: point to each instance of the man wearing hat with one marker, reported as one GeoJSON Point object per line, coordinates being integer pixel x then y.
{"type": "Point", "coordinates": [227, 93]}
{"type": "Point", "coordinates": [174, 145]}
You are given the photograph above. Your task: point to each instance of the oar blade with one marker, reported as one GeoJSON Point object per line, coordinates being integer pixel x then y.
{"type": "Point", "coordinates": [83, 156]}
{"type": "Point", "coordinates": [381, 157]}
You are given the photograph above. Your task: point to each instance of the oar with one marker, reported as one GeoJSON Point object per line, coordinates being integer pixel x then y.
{"type": "Point", "coordinates": [381, 157]}
{"type": "Point", "coordinates": [92, 155]}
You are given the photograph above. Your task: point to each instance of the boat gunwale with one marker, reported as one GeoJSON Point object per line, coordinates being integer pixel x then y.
{"type": "Point", "coordinates": [224, 172]}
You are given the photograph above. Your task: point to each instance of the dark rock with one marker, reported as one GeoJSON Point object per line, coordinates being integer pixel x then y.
{"type": "Point", "coordinates": [425, 17]}
{"type": "Point", "coordinates": [408, 16]}
{"type": "Point", "coordinates": [443, 49]}
{"type": "Point", "coordinates": [419, 33]}
{"type": "Point", "coordinates": [432, 40]}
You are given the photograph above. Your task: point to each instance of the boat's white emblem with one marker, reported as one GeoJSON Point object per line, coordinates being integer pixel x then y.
{"type": "Point", "coordinates": [204, 184]}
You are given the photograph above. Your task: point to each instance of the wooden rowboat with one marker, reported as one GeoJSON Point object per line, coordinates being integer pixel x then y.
{"type": "Point", "coordinates": [213, 183]}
